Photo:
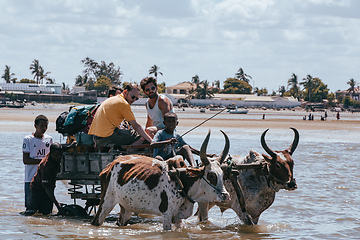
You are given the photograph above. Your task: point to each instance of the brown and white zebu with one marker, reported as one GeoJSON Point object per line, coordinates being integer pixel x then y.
{"type": "Point", "coordinates": [258, 184]}
{"type": "Point", "coordinates": [142, 184]}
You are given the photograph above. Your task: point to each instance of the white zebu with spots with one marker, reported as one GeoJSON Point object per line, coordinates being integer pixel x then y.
{"type": "Point", "coordinates": [142, 184]}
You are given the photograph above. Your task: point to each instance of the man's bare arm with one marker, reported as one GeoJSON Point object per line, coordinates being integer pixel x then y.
{"type": "Point", "coordinates": [28, 160]}
{"type": "Point", "coordinates": [137, 127]}
{"type": "Point", "coordinates": [164, 105]}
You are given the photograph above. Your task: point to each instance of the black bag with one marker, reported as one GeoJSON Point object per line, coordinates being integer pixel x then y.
{"type": "Point", "coordinates": [60, 120]}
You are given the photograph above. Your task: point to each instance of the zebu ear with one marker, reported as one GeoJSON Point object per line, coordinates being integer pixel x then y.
{"type": "Point", "coordinates": [225, 152]}
{"type": "Point", "coordinates": [203, 148]}
{"type": "Point", "coordinates": [267, 158]}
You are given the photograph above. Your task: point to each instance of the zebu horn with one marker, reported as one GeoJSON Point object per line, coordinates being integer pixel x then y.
{"type": "Point", "coordinates": [226, 148]}
{"type": "Point", "coordinates": [295, 142]}
{"type": "Point", "coordinates": [265, 146]}
{"type": "Point", "coordinates": [203, 148]}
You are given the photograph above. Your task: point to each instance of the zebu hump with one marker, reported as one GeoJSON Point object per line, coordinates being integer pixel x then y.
{"type": "Point", "coordinates": [139, 167]}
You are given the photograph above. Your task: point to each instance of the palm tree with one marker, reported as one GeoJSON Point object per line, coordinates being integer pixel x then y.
{"type": "Point", "coordinates": [35, 67]}
{"type": "Point", "coordinates": [65, 87]}
{"type": "Point", "coordinates": [205, 91]}
{"type": "Point", "coordinates": [352, 84]}
{"type": "Point", "coordinates": [8, 76]}
{"type": "Point", "coordinates": [242, 75]}
{"type": "Point", "coordinates": [43, 75]}
{"type": "Point", "coordinates": [294, 85]}
{"type": "Point", "coordinates": [81, 80]}
{"type": "Point", "coordinates": [195, 80]}
{"type": "Point", "coordinates": [282, 90]}
{"type": "Point", "coordinates": [91, 67]}
{"type": "Point", "coordinates": [155, 70]}
{"type": "Point", "coordinates": [308, 84]}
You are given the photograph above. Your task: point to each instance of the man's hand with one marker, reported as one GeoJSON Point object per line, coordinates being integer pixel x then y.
{"type": "Point", "coordinates": [172, 141]}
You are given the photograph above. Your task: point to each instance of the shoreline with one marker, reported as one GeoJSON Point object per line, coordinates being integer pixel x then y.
{"type": "Point", "coordinates": [19, 119]}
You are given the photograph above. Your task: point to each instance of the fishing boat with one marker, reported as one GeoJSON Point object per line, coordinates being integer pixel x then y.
{"type": "Point", "coordinates": [15, 105]}
{"type": "Point", "coordinates": [238, 111]}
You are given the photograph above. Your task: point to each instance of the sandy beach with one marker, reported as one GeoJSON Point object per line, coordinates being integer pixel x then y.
{"type": "Point", "coordinates": [18, 119]}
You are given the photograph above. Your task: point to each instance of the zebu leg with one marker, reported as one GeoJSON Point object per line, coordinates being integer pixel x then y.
{"type": "Point", "coordinates": [167, 219]}
{"type": "Point", "coordinates": [124, 217]}
{"type": "Point", "coordinates": [104, 209]}
{"type": "Point", "coordinates": [203, 210]}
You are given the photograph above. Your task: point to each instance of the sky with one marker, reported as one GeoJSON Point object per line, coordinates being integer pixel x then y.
{"type": "Point", "coordinates": [269, 39]}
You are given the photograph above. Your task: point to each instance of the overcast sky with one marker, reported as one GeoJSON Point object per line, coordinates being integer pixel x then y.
{"type": "Point", "coordinates": [269, 39]}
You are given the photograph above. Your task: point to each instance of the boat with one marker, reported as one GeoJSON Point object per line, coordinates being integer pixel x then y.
{"type": "Point", "coordinates": [238, 111]}
{"type": "Point", "coordinates": [15, 105]}
{"type": "Point", "coordinates": [217, 108]}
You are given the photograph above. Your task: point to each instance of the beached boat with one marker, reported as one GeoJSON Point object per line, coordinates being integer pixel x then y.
{"type": "Point", "coordinates": [216, 108]}
{"type": "Point", "coordinates": [15, 105]}
{"type": "Point", "coordinates": [238, 111]}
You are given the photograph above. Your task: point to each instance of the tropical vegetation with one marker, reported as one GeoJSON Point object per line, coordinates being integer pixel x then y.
{"type": "Point", "coordinates": [100, 76]}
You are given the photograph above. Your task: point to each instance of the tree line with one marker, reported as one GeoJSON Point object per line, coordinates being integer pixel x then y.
{"type": "Point", "coordinates": [36, 69]}
{"type": "Point", "coordinates": [101, 76]}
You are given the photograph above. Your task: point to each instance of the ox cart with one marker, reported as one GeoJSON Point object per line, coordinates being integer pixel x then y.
{"type": "Point", "coordinates": [81, 167]}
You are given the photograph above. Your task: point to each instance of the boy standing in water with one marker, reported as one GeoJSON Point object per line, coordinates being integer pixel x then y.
{"type": "Point", "coordinates": [166, 143]}
{"type": "Point", "coordinates": [35, 147]}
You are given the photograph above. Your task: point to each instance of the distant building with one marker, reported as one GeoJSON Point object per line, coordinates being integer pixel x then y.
{"type": "Point", "coordinates": [47, 93]}
{"type": "Point", "coordinates": [181, 88]}
{"type": "Point", "coordinates": [178, 93]}
{"type": "Point", "coordinates": [31, 88]}
{"type": "Point", "coordinates": [354, 95]}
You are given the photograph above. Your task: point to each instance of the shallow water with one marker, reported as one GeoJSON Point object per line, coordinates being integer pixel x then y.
{"type": "Point", "coordinates": [325, 205]}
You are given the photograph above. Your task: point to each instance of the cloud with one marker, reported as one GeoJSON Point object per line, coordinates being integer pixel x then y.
{"type": "Point", "coordinates": [269, 39]}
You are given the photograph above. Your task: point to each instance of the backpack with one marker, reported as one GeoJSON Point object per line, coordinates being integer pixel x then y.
{"type": "Point", "coordinates": [77, 119]}
{"type": "Point", "coordinates": [60, 120]}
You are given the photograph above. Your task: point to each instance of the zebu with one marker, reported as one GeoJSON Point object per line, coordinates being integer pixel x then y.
{"type": "Point", "coordinates": [142, 184]}
{"type": "Point", "coordinates": [257, 185]}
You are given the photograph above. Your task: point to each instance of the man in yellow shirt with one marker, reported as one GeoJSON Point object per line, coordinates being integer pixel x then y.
{"type": "Point", "coordinates": [109, 116]}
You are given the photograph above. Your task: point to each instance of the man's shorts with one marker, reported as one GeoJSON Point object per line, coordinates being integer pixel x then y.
{"type": "Point", "coordinates": [119, 137]}
{"type": "Point", "coordinates": [40, 201]}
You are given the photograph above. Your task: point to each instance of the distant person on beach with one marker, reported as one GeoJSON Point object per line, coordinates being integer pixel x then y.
{"type": "Point", "coordinates": [35, 147]}
{"type": "Point", "coordinates": [42, 186]}
{"type": "Point", "coordinates": [338, 115]}
{"type": "Point", "coordinates": [157, 105]}
{"type": "Point", "coordinates": [167, 143]}
{"type": "Point", "coordinates": [111, 113]}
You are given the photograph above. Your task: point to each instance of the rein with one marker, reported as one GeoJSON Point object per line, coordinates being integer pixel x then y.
{"type": "Point", "coordinates": [216, 189]}
{"type": "Point", "coordinates": [232, 175]}
{"type": "Point", "coordinates": [276, 180]}
{"type": "Point", "coordinates": [176, 173]}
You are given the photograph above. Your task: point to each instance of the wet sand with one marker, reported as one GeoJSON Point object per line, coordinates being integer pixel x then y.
{"type": "Point", "coordinates": [18, 119]}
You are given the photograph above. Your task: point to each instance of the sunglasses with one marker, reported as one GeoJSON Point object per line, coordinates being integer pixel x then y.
{"type": "Point", "coordinates": [134, 97]}
{"type": "Point", "coordinates": [148, 89]}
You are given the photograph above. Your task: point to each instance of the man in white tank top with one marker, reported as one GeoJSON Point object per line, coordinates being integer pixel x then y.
{"type": "Point", "coordinates": [157, 105]}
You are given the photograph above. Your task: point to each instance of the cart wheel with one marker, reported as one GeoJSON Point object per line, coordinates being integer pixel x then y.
{"type": "Point", "coordinates": [74, 210]}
